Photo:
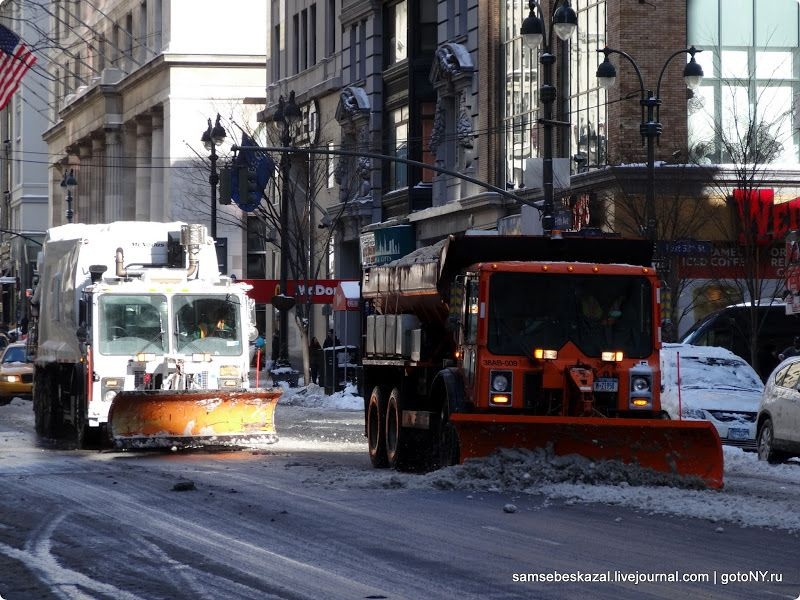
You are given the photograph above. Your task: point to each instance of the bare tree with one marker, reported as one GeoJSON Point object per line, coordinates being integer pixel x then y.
{"type": "Point", "coordinates": [749, 137]}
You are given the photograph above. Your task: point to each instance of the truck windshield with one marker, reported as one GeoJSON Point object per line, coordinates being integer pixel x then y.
{"type": "Point", "coordinates": [206, 323]}
{"type": "Point", "coordinates": [132, 323]}
{"type": "Point", "coordinates": [548, 310]}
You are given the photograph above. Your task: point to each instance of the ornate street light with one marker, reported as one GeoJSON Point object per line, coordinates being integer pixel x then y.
{"type": "Point", "coordinates": [213, 137]}
{"type": "Point", "coordinates": [286, 119]}
{"type": "Point", "coordinates": [650, 127]}
{"type": "Point", "coordinates": [534, 35]}
{"type": "Point", "coordinates": [68, 184]}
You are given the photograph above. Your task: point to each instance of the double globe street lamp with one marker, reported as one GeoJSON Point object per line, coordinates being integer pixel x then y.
{"type": "Point", "coordinates": [650, 127]}
{"type": "Point", "coordinates": [68, 184]}
{"type": "Point", "coordinates": [534, 35]}
{"type": "Point", "coordinates": [286, 120]}
{"type": "Point", "coordinates": [213, 137]}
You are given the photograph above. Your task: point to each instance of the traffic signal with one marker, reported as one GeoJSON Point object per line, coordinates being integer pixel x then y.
{"type": "Point", "coordinates": [248, 185]}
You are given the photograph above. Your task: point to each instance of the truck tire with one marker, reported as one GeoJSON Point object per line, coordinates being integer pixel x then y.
{"type": "Point", "coordinates": [446, 450]}
{"type": "Point", "coordinates": [376, 431]}
{"type": "Point", "coordinates": [406, 448]}
{"type": "Point", "coordinates": [49, 418]}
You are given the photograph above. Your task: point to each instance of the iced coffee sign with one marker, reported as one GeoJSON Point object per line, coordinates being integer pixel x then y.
{"type": "Point", "coordinates": [728, 261]}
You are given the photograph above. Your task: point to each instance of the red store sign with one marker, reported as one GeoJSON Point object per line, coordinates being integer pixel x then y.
{"type": "Point", "coordinates": [321, 291]}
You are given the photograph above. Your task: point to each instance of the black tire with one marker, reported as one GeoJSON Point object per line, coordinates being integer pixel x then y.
{"type": "Point", "coordinates": [52, 418]}
{"type": "Point", "coordinates": [446, 449]}
{"type": "Point", "coordinates": [39, 385]}
{"type": "Point", "coordinates": [405, 448]}
{"type": "Point", "coordinates": [376, 432]}
{"type": "Point", "coordinates": [765, 441]}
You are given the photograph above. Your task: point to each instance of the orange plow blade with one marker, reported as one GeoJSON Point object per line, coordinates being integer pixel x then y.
{"type": "Point", "coordinates": [684, 448]}
{"type": "Point", "coordinates": [193, 418]}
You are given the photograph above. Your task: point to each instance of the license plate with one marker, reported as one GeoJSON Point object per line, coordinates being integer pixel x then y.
{"type": "Point", "coordinates": [605, 385]}
{"type": "Point", "coordinates": [737, 433]}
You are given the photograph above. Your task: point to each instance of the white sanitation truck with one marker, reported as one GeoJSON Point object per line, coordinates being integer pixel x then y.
{"type": "Point", "coordinates": [137, 337]}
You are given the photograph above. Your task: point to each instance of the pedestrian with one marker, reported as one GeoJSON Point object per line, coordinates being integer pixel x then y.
{"type": "Point", "coordinates": [330, 340]}
{"type": "Point", "coordinates": [314, 359]}
{"type": "Point", "coordinates": [793, 350]}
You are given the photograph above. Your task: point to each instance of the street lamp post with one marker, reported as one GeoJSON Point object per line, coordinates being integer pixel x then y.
{"type": "Point", "coordinates": [286, 118]}
{"type": "Point", "coordinates": [650, 127]}
{"type": "Point", "coordinates": [213, 137]}
{"type": "Point", "coordinates": [69, 183]}
{"type": "Point", "coordinates": [534, 35]}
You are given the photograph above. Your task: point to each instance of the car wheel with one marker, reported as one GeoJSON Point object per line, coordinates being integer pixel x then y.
{"type": "Point", "coordinates": [766, 439]}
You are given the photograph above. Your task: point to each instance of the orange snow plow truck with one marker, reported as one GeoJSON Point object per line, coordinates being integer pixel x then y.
{"type": "Point", "coordinates": [137, 337]}
{"type": "Point", "coordinates": [482, 342]}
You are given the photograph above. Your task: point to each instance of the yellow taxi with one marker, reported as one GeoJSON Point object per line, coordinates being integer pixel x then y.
{"type": "Point", "coordinates": [16, 373]}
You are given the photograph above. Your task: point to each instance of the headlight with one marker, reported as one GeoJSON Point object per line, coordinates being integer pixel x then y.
{"type": "Point", "coordinates": [500, 382]}
{"type": "Point", "coordinates": [10, 378]}
{"type": "Point", "coordinates": [640, 384]}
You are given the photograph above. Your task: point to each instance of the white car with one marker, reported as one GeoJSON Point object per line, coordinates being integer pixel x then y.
{"type": "Point", "coordinates": [779, 413]}
{"type": "Point", "coordinates": [715, 385]}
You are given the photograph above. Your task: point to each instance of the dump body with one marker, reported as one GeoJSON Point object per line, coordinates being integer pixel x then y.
{"type": "Point", "coordinates": [529, 341]}
{"type": "Point", "coordinates": [129, 311]}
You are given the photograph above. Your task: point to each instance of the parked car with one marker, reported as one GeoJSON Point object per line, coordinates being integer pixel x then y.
{"type": "Point", "coordinates": [16, 372]}
{"type": "Point", "coordinates": [729, 328]}
{"type": "Point", "coordinates": [715, 385]}
{"type": "Point", "coordinates": [779, 413]}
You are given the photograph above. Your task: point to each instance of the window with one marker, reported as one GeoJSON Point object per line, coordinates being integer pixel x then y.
{"type": "Point", "coordinates": [397, 33]}
{"type": "Point", "coordinates": [751, 79]}
{"type": "Point", "coordinates": [397, 140]}
{"type": "Point", "coordinates": [330, 28]}
{"type": "Point", "coordinates": [594, 314]}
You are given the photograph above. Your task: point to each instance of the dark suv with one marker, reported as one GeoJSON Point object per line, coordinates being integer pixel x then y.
{"type": "Point", "coordinates": [730, 328]}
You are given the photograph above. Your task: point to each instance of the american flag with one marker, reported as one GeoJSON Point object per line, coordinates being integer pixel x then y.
{"type": "Point", "coordinates": [15, 60]}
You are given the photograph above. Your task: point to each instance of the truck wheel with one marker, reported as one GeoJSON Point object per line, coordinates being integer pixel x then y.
{"type": "Point", "coordinates": [766, 438]}
{"type": "Point", "coordinates": [39, 390]}
{"type": "Point", "coordinates": [376, 432]}
{"type": "Point", "coordinates": [446, 448]}
{"type": "Point", "coordinates": [87, 437]}
{"type": "Point", "coordinates": [49, 417]}
{"type": "Point", "coordinates": [404, 447]}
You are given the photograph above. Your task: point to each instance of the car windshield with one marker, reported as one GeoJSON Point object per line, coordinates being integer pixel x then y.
{"type": "Point", "coordinates": [132, 323]}
{"type": "Point", "coordinates": [549, 310]}
{"type": "Point", "coordinates": [710, 372]}
{"type": "Point", "coordinates": [15, 354]}
{"type": "Point", "coordinates": [207, 324]}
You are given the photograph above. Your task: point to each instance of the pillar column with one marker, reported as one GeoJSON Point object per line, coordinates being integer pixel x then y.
{"type": "Point", "coordinates": [159, 209]}
{"type": "Point", "coordinates": [113, 175]}
{"type": "Point", "coordinates": [143, 169]}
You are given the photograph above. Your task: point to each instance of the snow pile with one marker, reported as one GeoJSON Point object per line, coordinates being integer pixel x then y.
{"type": "Point", "coordinates": [313, 396]}
{"type": "Point", "coordinates": [524, 471]}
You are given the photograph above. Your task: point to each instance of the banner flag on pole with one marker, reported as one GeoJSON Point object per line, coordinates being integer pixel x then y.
{"type": "Point", "coordinates": [15, 60]}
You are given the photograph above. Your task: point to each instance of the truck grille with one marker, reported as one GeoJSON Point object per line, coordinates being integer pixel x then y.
{"type": "Point", "coordinates": [27, 378]}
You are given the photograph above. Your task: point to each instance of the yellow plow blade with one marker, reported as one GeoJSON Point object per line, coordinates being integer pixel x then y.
{"type": "Point", "coordinates": [194, 418]}
{"type": "Point", "coordinates": [684, 448]}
